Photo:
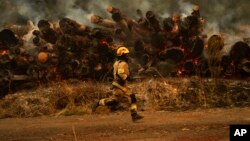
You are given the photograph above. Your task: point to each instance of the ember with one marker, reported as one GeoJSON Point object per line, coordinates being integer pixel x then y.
{"type": "Point", "coordinates": [4, 52]}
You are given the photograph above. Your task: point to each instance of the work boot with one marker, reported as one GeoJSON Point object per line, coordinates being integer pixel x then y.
{"type": "Point", "coordinates": [136, 117]}
{"type": "Point", "coordinates": [94, 106]}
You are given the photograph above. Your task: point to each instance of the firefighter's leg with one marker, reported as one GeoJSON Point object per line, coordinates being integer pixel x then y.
{"type": "Point", "coordinates": [111, 102]}
{"type": "Point", "coordinates": [133, 109]}
{"type": "Point", "coordinates": [108, 101]}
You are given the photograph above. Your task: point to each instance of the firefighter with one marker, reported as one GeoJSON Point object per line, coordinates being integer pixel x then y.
{"type": "Point", "coordinates": [120, 88]}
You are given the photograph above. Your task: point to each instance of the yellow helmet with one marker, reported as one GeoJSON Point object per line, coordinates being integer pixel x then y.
{"type": "Point", "coordinates": [122, 50]}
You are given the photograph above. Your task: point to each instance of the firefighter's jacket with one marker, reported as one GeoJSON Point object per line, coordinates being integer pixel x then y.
{"type": "Point", "coordinates": [121, 73]}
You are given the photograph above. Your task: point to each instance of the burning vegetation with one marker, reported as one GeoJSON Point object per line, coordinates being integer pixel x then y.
{"type": "Point", "coordinates": [172, 61]}
{"type": "Point", "coordinates": [174, 46]}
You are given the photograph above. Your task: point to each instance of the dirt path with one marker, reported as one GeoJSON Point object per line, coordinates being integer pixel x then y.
{"type": "Point", "coordinates": [205, 125]}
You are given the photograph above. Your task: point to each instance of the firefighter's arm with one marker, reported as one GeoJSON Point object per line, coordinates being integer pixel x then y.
{"type": "Point", "coordinates": [127, 91]}
{"type": "Point", "coordinates": [123, 71]}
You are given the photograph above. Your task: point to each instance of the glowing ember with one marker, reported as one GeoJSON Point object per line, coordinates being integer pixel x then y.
{"type": "Point", "coordinates": [196, 62]}
{"type": "Point", "coordinates": [4, 52]}
{"type": "Point", "coordinates": [103, 42]}
{"type": "Point", "coordinates": [206, 46]}
{"type": "Point", "coordinates": [175, 29]}
{"type": "Point", "coordinates": [179, 72]}
{"type": "Point", "coordinates": [98, 67]}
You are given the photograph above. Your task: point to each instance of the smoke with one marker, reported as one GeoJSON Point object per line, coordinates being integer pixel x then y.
{"type": "Point", "coordinates": [227, 16]}
{"type": "Point", "coordinates": [186, 8]}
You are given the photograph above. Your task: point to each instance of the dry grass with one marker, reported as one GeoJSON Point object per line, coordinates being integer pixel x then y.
{"type": "Point", "coordinates": [62, 98]}
{"type": "Point", "coordinates": [191, 93]}
{"type": "Point", "coordinates": [184, 94]}
{"type": "Point", "coordinates": [74, 97]}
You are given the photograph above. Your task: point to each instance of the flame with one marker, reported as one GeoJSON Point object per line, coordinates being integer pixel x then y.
{"type": "Point", "coordinates": [196, 61]}
{"type": "Point", "coordinates": [98, 67]}
{"type": "Point", "coordinates": [175, 28]}
{"type": "Point", "coordinates": [206, 46]}
{"type": "Point", "coordinates": [103, 42]}
{"type": "Point", "coordinates": [4, 52]}
{"type": "Point", "coordinates": [179, 72]}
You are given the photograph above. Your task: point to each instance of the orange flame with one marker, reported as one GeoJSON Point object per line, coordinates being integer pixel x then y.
{"type": "Point", "coordinates": [103, 42]}
{"type": "Point", "coordinates": [4, 52]}
{"type": "Point", "coordinates": [179, 73]}
{"type": "Point", "coordinates": [206, 46]}
{"type": "Point", "coordinates": [175, 29]}
{"type": "Point", "coordinates": [196, 61]}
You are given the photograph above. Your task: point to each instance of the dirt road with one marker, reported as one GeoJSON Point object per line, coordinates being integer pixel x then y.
{"type": "Point", "coordinates": [205, 125]}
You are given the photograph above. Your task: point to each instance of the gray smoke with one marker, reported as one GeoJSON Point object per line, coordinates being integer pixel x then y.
{"type": "Point", "coordinates": [230, 16]}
